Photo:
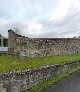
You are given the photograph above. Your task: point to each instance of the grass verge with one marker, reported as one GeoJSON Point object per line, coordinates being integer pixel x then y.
{"type": "Point", "coordinates": [52, 80]}
{"type": "Point", "coordinates": [14, 62]}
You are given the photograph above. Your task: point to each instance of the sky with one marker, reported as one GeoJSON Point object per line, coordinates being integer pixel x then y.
{"type": "Point", "coordinates": [41, 18]}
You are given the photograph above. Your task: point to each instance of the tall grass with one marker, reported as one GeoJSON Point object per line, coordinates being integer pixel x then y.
{"type": "Point", "coordinates": [14, 62]}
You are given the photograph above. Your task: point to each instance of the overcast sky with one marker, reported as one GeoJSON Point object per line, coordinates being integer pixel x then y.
{"type": "Point", "coordinates": [41, 18]}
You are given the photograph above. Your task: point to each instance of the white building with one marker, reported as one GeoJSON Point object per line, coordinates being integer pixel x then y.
{"type": "Point", "coordinates": [3, 43]}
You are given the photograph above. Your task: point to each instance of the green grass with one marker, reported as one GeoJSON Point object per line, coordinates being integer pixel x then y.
{"type": "Point", "coordinates": [14, 62]}
{"type": "Point", "coordinates": [51, 81]}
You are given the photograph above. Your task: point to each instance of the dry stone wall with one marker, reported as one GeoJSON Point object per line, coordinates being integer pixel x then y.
{"type": "Point", "coordinates": [15, 81]}
{"type": "Point", "coordinates": [40, 47]}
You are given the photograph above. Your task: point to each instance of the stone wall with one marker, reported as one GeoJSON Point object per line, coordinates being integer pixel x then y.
{"type": "Point", "coordinates": [40, 47]}
{"type": "Point", "coordinates": [15, 81]}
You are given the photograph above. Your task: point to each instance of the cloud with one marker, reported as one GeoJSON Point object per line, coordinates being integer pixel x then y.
{"type": "Point", "coordinates": [61, 9]}
{"type": "Point", "coordinates": [41, 18]}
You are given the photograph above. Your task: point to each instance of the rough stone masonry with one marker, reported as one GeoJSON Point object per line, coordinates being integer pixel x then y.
{"type": "Point", "coordinates": [40, 47]}
{"type": "Point", "coordinates": [16, 80]}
